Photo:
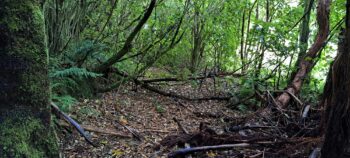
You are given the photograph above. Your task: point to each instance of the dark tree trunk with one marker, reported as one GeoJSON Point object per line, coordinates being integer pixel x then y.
{"type": "Point", "coordinates": [25, 120]}
{"type": "Point", "coordinates": [337, 137]}
{"type": "Point", "coordinates": [129, 40]}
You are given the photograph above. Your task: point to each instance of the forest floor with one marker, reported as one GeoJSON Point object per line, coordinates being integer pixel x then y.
{"type": "Point", "coordinates": [152, 117]}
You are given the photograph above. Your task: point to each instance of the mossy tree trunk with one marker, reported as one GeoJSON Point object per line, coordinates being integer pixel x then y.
{"type": "Point", "coordinates": [25, 120]}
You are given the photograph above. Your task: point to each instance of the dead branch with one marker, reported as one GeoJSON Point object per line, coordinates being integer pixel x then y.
{"type": "Point", "coordinates": [180, 126]}
{"type": "Point", "coordinates": [186, 151]}
{"type": "Point", "coordinates": [238, 128]}
{"type": "Point", "coordinates": [98, 130]}
{"type": "Point", "coordinates": [171, 94]}
{"type": "Point", "coordinates": [131, 130]}
{"type": "Point", "coordinates": [241, 101]}
{"type": "Point", "coordinates": [72, 122]}
{"type": "Point", "coordinates": [174, 79]}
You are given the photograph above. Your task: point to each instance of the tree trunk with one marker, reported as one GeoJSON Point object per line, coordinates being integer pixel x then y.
{"type": "Point", "coordinates": [307, 63]}
{"type": "Point", "coordinates": [197, 35]}
{"type": "Point", "coordinates": [129, 40]}
{"type": "Point", "coordinates": [337, 137]}
{"type": "Point", "coordinates": [304, 34]}
{"type": "Point", "coordinates": [25, 120]}
{"type": "Point", "coordinates": [242, 42]}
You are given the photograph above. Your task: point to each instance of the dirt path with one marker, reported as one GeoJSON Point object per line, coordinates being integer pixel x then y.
{"type": "Point", "coordinates": [148, 113]}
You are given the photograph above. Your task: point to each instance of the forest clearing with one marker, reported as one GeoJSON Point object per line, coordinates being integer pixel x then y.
{"type": "Point", "coordinates": [175, 78]}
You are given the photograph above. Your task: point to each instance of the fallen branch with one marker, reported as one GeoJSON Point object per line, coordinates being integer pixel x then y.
{"type": "Point", "coordinates": [238, 128]}
{"type": "Point", "coordinates": [180, 126]}
{"type": "Point", "coordinates": [171, 94]}
{"type": "Point", "coordinates": [296, 98]}
{"type": "Point", "coordinates": [131, 130]}
{"type": "Point", "coordinates": [72, 122]}
{"type": "Point", "coordinates": [174, 79]}
{"type": "Point", "coordinates": [241, 101]}
{"type": "Point", "coordinates": [103, 131]}
{"type": "Point", "coordinates": [186, 151]}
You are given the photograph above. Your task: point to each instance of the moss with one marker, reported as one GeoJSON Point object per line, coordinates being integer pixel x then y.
{"type": "Point", "coordinates": [25, 30]}
{"type": "Point", "coordinates": [25, 129]}
{"type": "Point", "coordinates": [24, 136]}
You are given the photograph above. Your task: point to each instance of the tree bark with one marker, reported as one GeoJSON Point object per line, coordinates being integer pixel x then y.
{"type": "Point", "coordinates": [304, 33]}
{"type": "Point", "coordinates": [337, 137]}
{"type": "Point", "coordinates": [197, 36]}
{"type": "Point", "coordinates": [307, 63]}
{"type": "Point", "coordinates": [129, 40]}
{"type": "Point", "coordinates": [25, 120]}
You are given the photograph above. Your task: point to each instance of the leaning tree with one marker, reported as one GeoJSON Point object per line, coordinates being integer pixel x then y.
{"type": "Point", "coordinates": [25, 120]}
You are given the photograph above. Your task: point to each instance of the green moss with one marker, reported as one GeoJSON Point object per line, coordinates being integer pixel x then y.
{"type": "Point", "coordinates": [25, 129]}
{"type": "Point", "coordinates": [19, 137]}
{"type": "Point", "coordinates": [25, 25]}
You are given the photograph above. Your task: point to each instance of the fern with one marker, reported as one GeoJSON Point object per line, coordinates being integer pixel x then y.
{"type": "Point", "coordinates": [64, 102]}
{"type": "Point", "coordinates": [86, 52]}
{"type": "Point", "coordinates": [73, 82]}
{"type": "Point", "coordinates": [74, 72]}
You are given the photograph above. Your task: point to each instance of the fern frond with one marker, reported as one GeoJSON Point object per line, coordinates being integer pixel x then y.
{"type": "Point", "coordinates": [74, 72]}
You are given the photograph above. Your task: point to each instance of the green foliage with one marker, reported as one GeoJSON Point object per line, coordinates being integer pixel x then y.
{"type": "Point", "coordinates": [243, 108]}
{"type": "Point", "coordinates": [246, 88]}
{"type": "Point", "coordinates": [88, 111]}
{"type": "Point", "coordinates": [159, 107]}
{"type": "Point", "coordinates": [69, 83]}
{"type": "Point", "coordinates": [74, 72]}
{"type": "Point", "coordinates": [64, 102]}
{"type": "Point", "coordinates": [268, 38]}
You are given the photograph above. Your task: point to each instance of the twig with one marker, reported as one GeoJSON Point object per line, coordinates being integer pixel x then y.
{"type": "Point", "coordinates": [238, 128]}
{"type": "Point", "coordinates": [180, 125]}
{"type": "Point", "coordinates": [276, 105]}
{"type": "Point", "coordinates": [295, 98]}
{"type": "Point", "coordinates": [156, 131]}
{"type": "Point", "coordinates": [132, 131]}
{"type": "Point", "coordinates": [242, 101]}
{"type": "Point", "coordinates": [186, 151]}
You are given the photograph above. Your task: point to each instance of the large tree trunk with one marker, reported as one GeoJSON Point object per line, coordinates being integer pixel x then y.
{"type": "Point", "coordinates": [337, 137]}
{"type": "Point", "coordinates": [25, 120]}
{"type": "Point", "coordinates": [307, 63]}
